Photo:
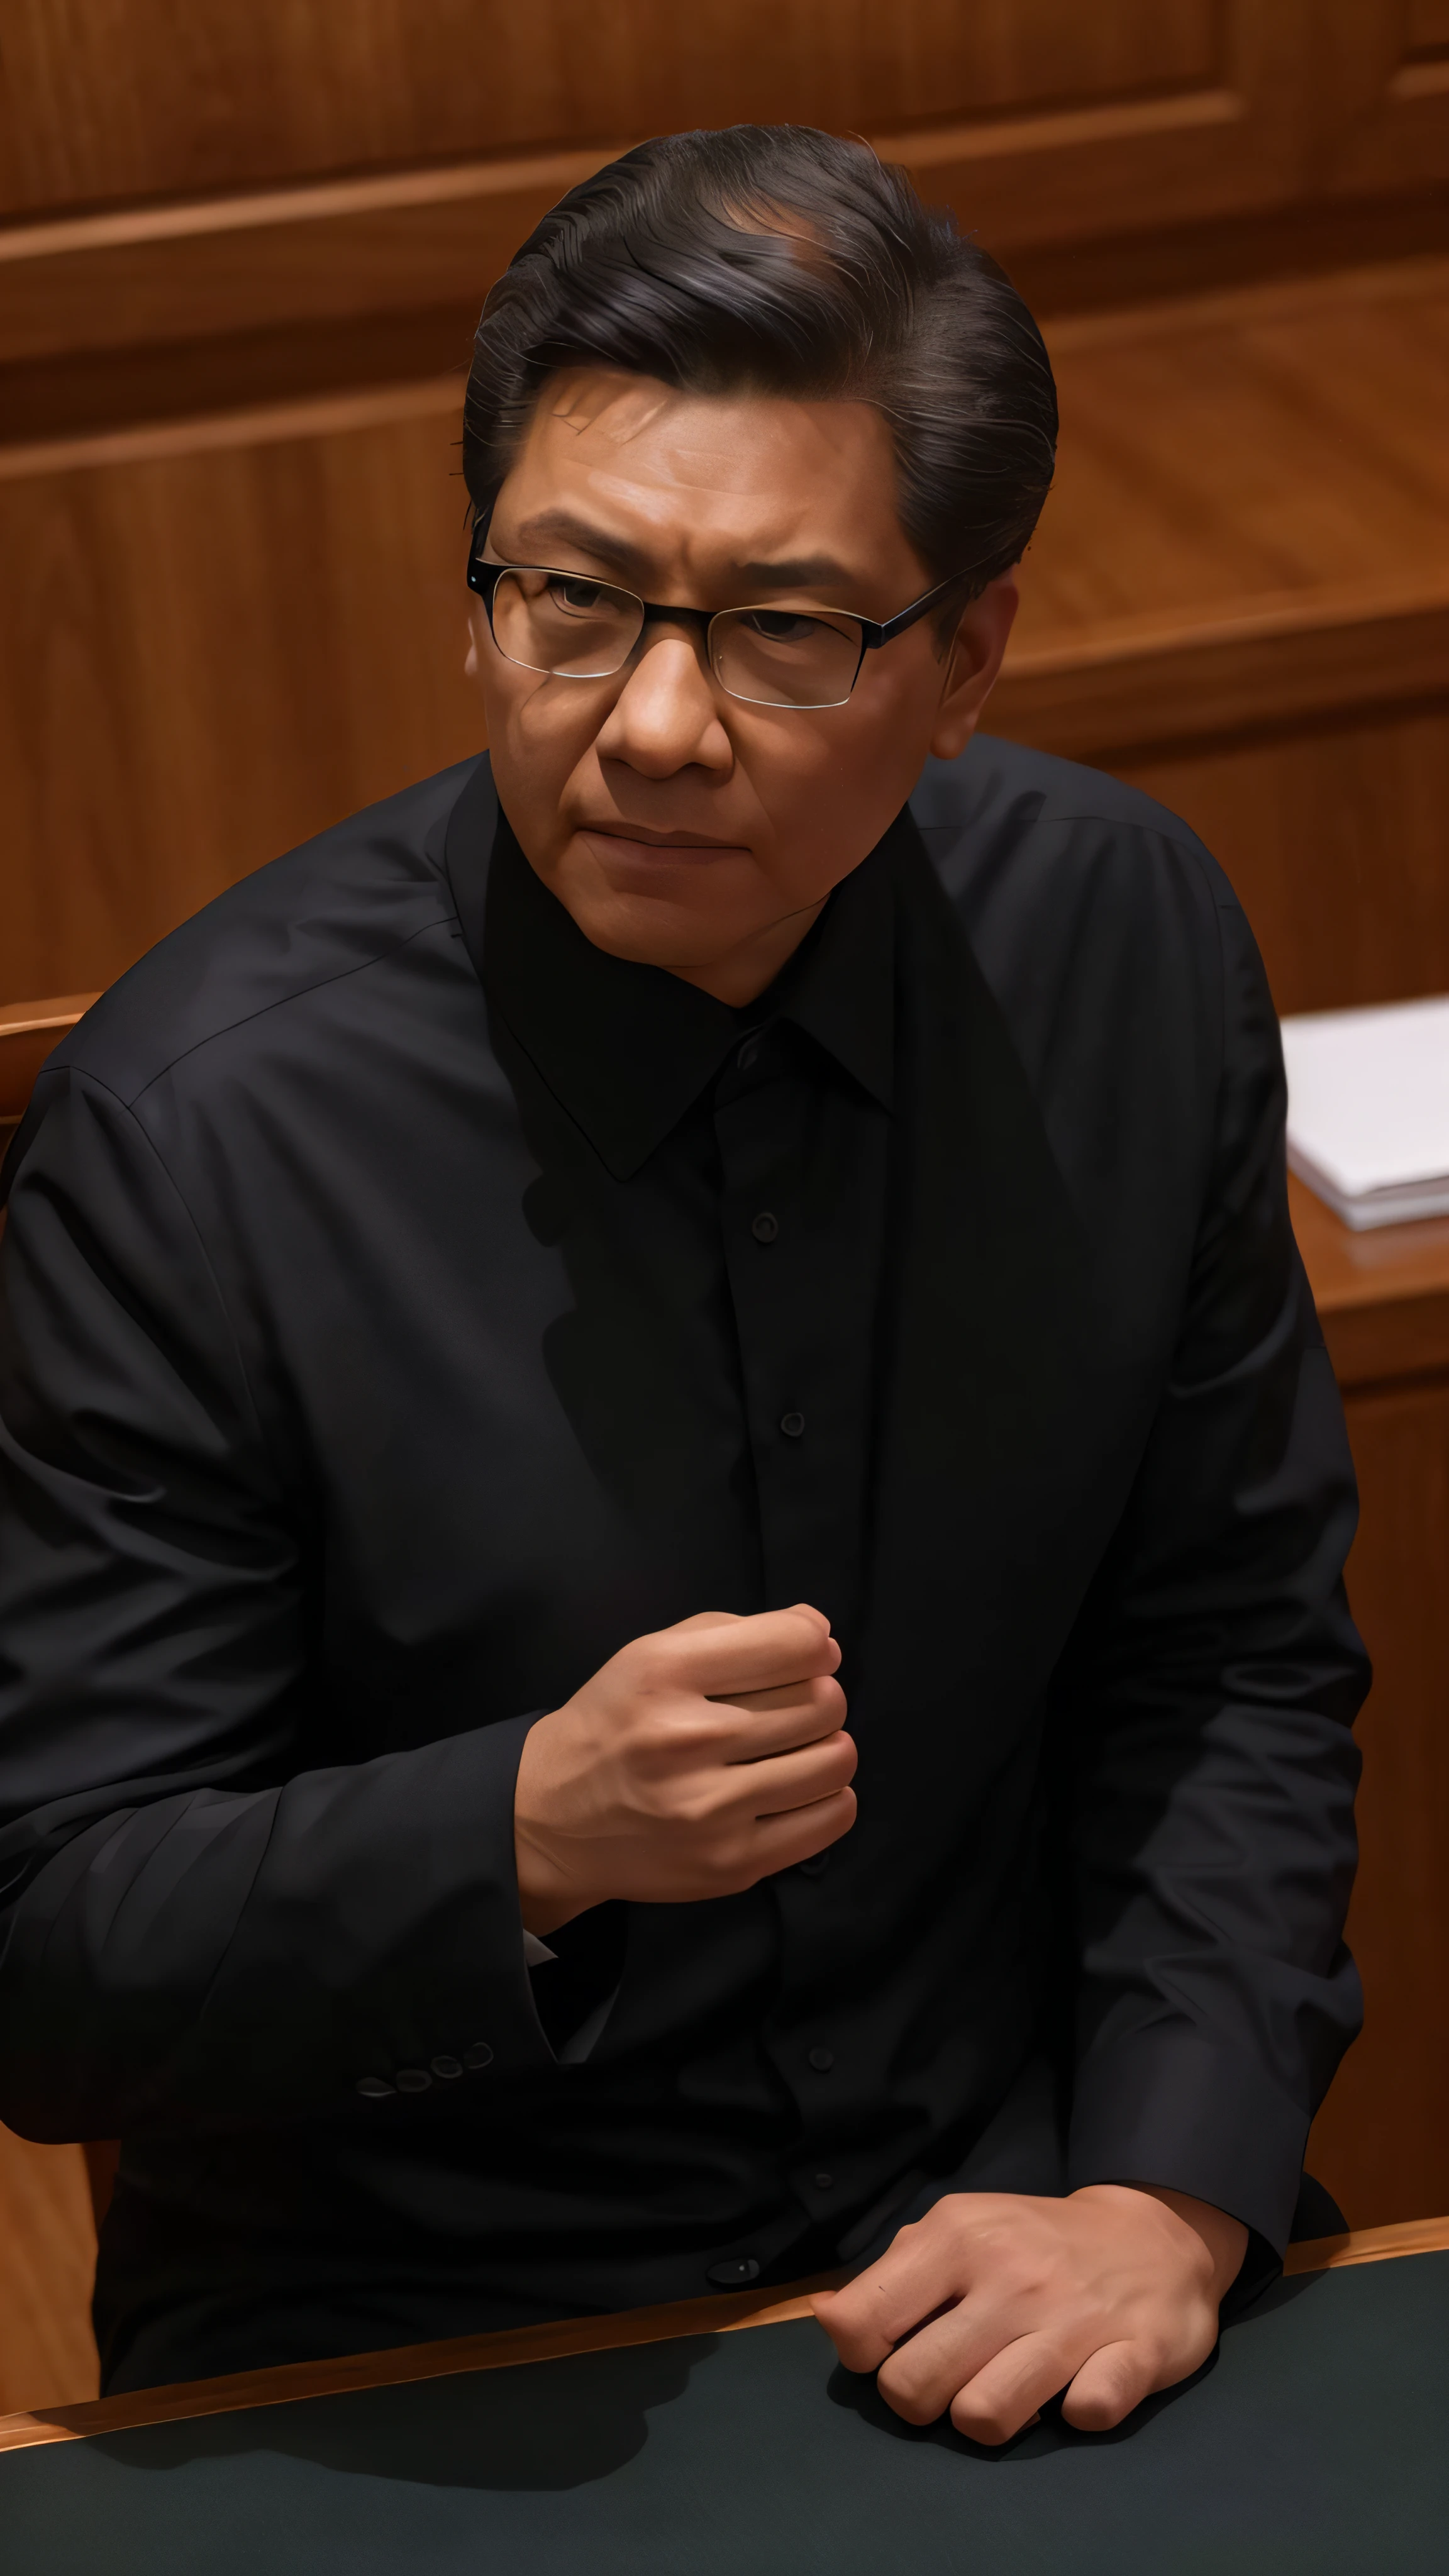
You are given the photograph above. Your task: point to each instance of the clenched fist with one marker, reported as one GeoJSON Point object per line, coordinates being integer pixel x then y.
{"type": "Point", "coordinates": [694, 1763]}
{"type": "Point", "coordinates": [994, 2301]}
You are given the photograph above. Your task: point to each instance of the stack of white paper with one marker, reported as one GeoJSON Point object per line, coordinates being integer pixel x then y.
{"type": "Point", "coordinates": [1368, 1109]}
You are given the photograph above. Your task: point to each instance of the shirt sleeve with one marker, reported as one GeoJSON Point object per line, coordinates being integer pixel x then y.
{"type": "Point", "coordinates": [197, 1924]}
{"type": "Point", "coordinates": [1204, 1712]}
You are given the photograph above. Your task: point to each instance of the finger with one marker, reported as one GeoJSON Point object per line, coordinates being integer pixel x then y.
{"type": "Point", "coordinates": [1011, 2389]}
{"type": "Point", "coordinates": [780, 1842]}
{"type": "Point", "coordinates": [919, 2379]}
{"type": "Point", "coordinates": [780, 1721]}
{"type": "Point", "coordinates": [792, 1780]}
{"type": "Point", "coordinates": [868, 2318]}
{"type": "Point", "coordinates": [1109, 2384]}
{"type": "Point", "coordinates": [749, 1654]}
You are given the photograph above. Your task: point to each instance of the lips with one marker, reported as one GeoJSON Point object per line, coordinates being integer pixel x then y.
{"type": "Point", "coordinates": [667, 844]}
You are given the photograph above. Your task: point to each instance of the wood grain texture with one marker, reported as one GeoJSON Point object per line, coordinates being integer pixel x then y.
{"type": "Point", "coordinates": [219, 640]}
{"type": "Point", "coordinates": [727, 2313]}
{"type": "Point", "coordinates": [1382, 1296]}
{"type": "Point", "coordinates": [176, 172]}
{"type": "Point", "coordinates": [1387, 75]}
{"type": "Point", "coordinates": [1233, 457]}
{"type": "Point", "coordinates": [1368, 2245]}
{"type": "Point", "coordinates": [1332, 834]}
{"type": "Point", "coordinates": [1037, 120]}
{"type": "Point", "coordinates": [1381, 2141]}
{"type": "Point", "coordinates": [145, 98]}
{"type": "Point", "coordinates": [421, 238]}
{"type": "Point", "coordinates": [47, 2260]}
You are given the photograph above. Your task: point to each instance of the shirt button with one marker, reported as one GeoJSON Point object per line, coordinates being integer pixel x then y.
{"type": "Point", "coordinates": [446, 2068]}
{"type": "Point", "coordinates": [480, 2054]}
{"type": "Point", "coordinates": [765, 1227]}
{"type": "Point", "coordinates": [825, 2182]}
{"type": "Point", "coordinates": [792, 1424]}
{"type": "Point", "coordinates": [413, 2079]}
{"type": "Point", "coordinates": [748, 1054]}
{"type": "Point", "coordinates": [375, 2088]}
{"type": "Point", "coordinates": [736, 2275]}
{"type": "Point", "coordinates": [822, 2059]}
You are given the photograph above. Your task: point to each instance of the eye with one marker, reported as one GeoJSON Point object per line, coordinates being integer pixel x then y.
{"type": "Point", "coordinates": [780, 625]}
{"type": "Point", "coordinates": [577, 597]}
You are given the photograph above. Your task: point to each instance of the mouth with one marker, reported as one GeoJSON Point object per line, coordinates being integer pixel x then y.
{"type": "Point", "coordinates": [635, 840]}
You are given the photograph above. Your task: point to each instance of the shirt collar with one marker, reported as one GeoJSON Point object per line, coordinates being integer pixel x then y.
{"type": "Point", "coordinates": [626, 1048]}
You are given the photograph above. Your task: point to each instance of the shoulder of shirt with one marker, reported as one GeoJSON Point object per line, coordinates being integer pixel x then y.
{"type": "Point", "coordinates": [332, 907]}
{"type": "Point", "coordinates": [980, 812]}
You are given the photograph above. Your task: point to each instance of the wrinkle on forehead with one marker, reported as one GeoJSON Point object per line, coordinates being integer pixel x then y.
{"type": "Point", "coordinates": [687, 432]}
{"type": "Point", "coordinates": [621, 408]}
{"type": "Point", "coordinates": [702, 478]}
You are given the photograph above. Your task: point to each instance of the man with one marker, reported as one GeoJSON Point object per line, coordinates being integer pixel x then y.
{"type": "Point", "coordinates": [513, 1314]}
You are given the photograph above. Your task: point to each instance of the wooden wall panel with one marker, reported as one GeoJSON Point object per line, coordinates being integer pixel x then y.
{"type": "Point", "coordinates": [1381, 2142]}
{"type": "Point", "coordinates": [339, 134]}
{"type": "Point", "coordinates": [150, 98]}
{"type": "Point", "coordinates": [47, 2262]}
{"type": "Point", "coordinates": [218, 640]}
{"type": "Point", "coordinates": [1333, 834]}
{"type": "Point", "coordinates": [1277, 443]}
{"type": "Point", "coordinates": [1383, 98]}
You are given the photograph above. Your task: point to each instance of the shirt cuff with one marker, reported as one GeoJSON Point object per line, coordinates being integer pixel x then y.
{"type": "Point", "coordinates": [1171, 2106]}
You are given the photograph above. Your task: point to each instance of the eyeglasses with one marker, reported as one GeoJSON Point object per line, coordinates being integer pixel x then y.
{"type": "Point", "coordinates": [574, 628]}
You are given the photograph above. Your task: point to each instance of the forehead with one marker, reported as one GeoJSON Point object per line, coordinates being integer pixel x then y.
{"type": "Point", "coordinates": [692, 476]}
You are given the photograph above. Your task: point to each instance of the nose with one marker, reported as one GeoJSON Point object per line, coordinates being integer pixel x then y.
{"type": "Point", "coordinates": [665, 717]}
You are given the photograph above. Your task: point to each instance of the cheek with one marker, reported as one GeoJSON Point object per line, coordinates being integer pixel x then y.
{"type": "Point", "coordinates": [830, 793]}
{"type": "Point", "coordinates": [538, 738]}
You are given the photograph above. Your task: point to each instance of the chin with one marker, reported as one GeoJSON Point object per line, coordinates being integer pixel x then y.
{"type": "Point", "coordinates": [658, 912]}
{"type": "Point", "coordinates": [649, 932]}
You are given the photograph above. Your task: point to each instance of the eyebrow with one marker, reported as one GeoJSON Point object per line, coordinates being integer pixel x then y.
{"type": "Point", "coordinates": [796, 572]}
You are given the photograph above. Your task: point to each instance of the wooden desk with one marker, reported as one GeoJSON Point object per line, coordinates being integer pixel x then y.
{"type": "Point", "coordinates": [1381, 2142]}
{"type": "Point", "coordinates": [666, 2443]}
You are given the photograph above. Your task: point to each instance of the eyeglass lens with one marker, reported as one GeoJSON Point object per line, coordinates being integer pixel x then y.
{"type": "Point", "coordinates": [576, 629]}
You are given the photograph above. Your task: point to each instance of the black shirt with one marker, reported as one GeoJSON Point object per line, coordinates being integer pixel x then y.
{"type": "Point", "coordinates": [406, 1304]}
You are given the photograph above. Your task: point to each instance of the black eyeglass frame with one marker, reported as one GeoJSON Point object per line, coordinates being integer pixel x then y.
{"type": "Point", "coordinates": [484, 578]}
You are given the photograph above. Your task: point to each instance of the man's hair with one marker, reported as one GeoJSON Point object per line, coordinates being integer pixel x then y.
{"type": "Point", "coordinates": [779, 260]}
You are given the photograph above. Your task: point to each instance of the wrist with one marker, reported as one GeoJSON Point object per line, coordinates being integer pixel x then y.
{"type": "Point", "coordinates": [549, 1893]}
{"type": "Point", "coordinates": [548, 1896]}
{"type": "Point", "coordinates": [1225, 2238]}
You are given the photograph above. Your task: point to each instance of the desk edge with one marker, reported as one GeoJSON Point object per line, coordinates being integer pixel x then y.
{"type": "Point", "coordinates": [727, 2314]}
{"type": "Point", "coordinates": [290, 2381]}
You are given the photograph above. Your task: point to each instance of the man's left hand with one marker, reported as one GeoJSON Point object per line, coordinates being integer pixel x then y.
{"type": "Point", "coordinates": [994, 2301]}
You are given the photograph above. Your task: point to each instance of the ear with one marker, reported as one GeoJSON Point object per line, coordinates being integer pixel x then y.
{"type": "Point", "coordinates": [972, 665]}
{"type": "Point", "coordinates": [470, 658]}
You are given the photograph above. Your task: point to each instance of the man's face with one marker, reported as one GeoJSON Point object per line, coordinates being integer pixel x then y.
{"type": "Point", "coordinates": [680, 826]}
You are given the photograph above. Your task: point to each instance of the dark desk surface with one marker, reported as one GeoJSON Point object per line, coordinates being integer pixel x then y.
{"type": "Point", "coordinates": [1315, 2445]}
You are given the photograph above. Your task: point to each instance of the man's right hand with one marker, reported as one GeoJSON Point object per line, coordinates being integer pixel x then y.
{"type": "Point", "coordinates": [694, 1763]}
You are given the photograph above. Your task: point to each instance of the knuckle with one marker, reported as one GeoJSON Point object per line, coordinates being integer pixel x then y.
{"type": "Point", "coordinates": [908, 2397]}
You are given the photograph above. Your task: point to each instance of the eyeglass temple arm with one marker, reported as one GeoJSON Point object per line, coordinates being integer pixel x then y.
{"type": "Point", "coordinates": [874, 636]}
